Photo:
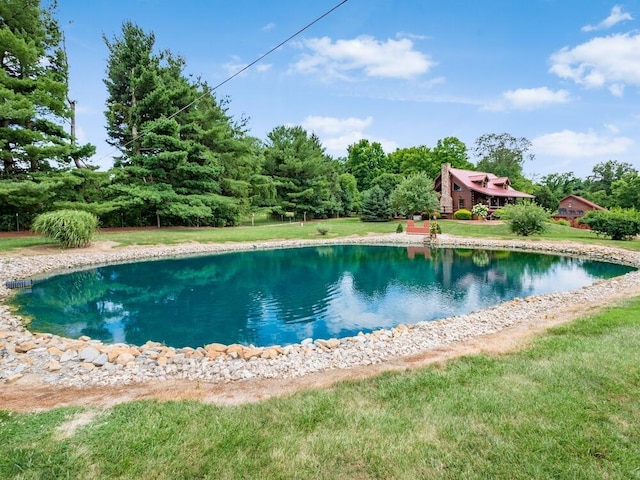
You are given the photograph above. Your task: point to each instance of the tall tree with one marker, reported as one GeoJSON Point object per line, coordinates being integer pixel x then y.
{"type": "Point", "coordinates": [415, 195]}
{"type": "Point", "coordinates": [305, 178]}
{"type": "Point", "coordinates": [504, 155]}
{"type": "Point", "coordinates": [555, 186]}
{"type": "Point", "coordinates": [365, 161]}
{"type": "Point", "coordinates": [184, 160]}
{"type": "Point", "coordinates": [626, 191]}
{"type": "Point", "coordinates": [131, 79]}
{"type": "Point", "coordinates": [407, 161]}
{"type": "Point", "coordinates": [449, 150]}
{"type": "Point", "coordinates": [604, 175]}
{"type": "Point", "coordinates": [33, 86]}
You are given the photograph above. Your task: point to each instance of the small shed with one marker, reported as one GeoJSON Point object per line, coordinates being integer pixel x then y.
{"type": "Point", "coordinates": [572, 207]}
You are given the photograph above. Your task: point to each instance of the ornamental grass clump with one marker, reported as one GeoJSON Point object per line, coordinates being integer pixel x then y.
{"type": "Point", "coordinates": [71, 228]}
{"type": "Point", "coordinates": [322, 228]}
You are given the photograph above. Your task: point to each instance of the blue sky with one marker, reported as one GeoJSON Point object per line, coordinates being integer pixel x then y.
{"type": "Point", "coordinates": [563, 73]}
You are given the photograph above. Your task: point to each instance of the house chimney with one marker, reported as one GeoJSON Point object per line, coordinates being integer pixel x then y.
{"type": "Point", "coordinates": [446, 201]}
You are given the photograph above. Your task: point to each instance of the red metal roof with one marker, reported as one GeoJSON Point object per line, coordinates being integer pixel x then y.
{"type": "Point", "coordinates": [495, 185]}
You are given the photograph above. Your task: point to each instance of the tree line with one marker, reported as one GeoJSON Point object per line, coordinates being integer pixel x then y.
{"type": "Point", "coordinates": [184, 160]}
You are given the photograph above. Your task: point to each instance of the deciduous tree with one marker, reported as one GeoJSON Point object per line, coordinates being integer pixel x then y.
{"type": "Point", "coordinates": [415, 195]}
{"type": "Point", "coordinates": [365, 161]}
{"type": "Point", "coordinates": [504, 155]}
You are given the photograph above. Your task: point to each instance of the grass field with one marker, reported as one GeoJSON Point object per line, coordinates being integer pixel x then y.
{"type": "Point", "coordinates": [337, 228]}
{"type": "Point", "coordinates": [567, 406]}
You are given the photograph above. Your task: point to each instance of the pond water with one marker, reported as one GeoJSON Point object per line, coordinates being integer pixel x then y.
{"type": "Point", "coordinates": [279, 297]}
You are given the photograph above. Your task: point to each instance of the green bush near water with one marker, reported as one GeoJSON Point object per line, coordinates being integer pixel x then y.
{"type": "Point", "coordinates": [71, 228]}
{"type": "Point", "coordinates": [617, 224]}
{"type": "Point", "coordinates": [526, 218]}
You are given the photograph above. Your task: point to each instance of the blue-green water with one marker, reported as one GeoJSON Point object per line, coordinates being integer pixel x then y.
{"type": "Point", "coordinates": [279, 297]}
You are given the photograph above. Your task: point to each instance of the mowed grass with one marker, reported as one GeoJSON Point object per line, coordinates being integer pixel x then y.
{"type": "Point", "coordinates": [567, 406]}
{"type": "Point", "coordinates": [338, 228]}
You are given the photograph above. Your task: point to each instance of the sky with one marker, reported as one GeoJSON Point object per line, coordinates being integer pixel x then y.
{"type": "Point", "coordinates": [565, 74]}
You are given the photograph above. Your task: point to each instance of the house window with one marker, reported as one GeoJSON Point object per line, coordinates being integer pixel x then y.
{"type": "Point", "coordinates": [456, 187]}
{"type": "Point", "coordinates": [460, 203]}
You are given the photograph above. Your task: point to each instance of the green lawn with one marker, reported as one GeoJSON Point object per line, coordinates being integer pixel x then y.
{"type": "Point", "coordinates": [337, 228]}
{"type": "Point", "coordinates": [566, 407]}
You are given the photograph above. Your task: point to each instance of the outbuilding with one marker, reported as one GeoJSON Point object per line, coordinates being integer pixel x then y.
{"type": "Point", "coordinates": [572, 207]}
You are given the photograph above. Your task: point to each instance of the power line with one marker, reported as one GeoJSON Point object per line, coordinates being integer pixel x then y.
{"type": "Point", "coordinates": [234, 75]}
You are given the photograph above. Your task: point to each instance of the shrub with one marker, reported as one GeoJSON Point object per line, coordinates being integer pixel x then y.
{"type": "Point", "coordinates": [617, 224]}
{"type": "Point", "coordinates": [72, 228]}
{"type": "Point", "coordinates": [498, 213]}
{"type": "Point", "coordinates": [322, 228]}
{"type": "Point", "coordinates": [526, 218]}
{"type": "Point", "coordinates": [462, 214]}
{"type": "Point", "coordinates": [480, 210]}
{"type": "Point", "coordinates": [562, 221]}
{"type": "Point", "coordinates": [435, 228]}
{"type": "Point", "coordinates": [399, 228]}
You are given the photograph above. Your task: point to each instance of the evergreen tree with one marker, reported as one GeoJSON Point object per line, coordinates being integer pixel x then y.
{"type": "Point", "coordinates": [306, 180]}
{"type": "Point", "coordinates": [375, 206]}
{"type": "Point", "coordinates": [34, 87]}
{"type": "Point", "coordinates": [184, 161]}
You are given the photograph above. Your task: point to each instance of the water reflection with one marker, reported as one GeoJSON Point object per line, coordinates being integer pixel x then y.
{"type": "Point", "coordinates": [284, 296]}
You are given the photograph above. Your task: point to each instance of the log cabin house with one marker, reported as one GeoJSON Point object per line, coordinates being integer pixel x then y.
{"type": "Point", "coordinates": [465, 188]}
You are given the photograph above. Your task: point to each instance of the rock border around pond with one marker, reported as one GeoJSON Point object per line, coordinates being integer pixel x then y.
{"type": "Point", "coordinates": [81, 362]}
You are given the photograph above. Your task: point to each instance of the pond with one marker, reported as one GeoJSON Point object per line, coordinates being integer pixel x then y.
{"type": "Point", "coordinates": [282, 296]}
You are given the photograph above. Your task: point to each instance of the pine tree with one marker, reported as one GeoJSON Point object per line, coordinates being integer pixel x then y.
{"type": "Point", "coordinates": [306, 179]}
{"type": "Point", "coordinates": [184, 160]}
{"type": "Point", "coordinates": [375, 206]}
{"type": "Point", "coordinates": [33, 86]}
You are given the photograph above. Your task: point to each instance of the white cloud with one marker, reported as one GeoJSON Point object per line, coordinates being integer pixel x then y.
{"type": "Point", "coordinates": [612, 128]}
{"type": "Point", "coordinates": [616, 16]}
{"type": "Point", "coordinates": [612, 61]}
{"type": "Point", "coordinates": [617, 89]}
{"type": "Point", "coordinates": [389, 59]}
{"type": "Point", "coordinates": [411, 36]}
{"type": "Point", "coordinates": [336, 134]}
{"type": "Point", "coordinates": [568, 143]}
{"type": "Point", "coordinates": [268, 27]}
{"type": "Point", "coordinates": [235, 65]}
{"type": "Point", "coordinates": [530, 99]}
{"type": "Point", "coordinates": [263, 67]}
{"type": "Point", "coordinates": [334, 126]}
